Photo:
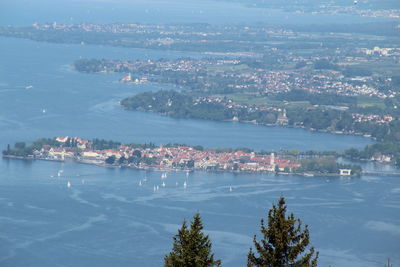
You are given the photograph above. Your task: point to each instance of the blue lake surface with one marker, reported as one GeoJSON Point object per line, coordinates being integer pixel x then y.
{"type": "Point", "coordinates": [107, 219]}
{"type": "Point", "coordinates": [26, 12]}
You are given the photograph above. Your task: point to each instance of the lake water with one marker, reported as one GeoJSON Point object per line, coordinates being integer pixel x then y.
{"type": "Point", "coordinates": [107, 219]}
{"type": "Point", "coordinates": [25, 12]}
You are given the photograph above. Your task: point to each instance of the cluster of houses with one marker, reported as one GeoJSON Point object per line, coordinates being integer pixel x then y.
{"type": "Point", "coordinates": [279, 81]}
{"type": "Point", "coordinates": [108, 28]}
{"type": "Point", "coordinates": [378, 51]}
{"type": "Point", "coordinates": [270, 81]}
{"type": "Point", "coordinates": [372, 118]}
{"type": "Point", "coordinates": [351, 9]}
{"type": "Point", "coordinates": [184, 65]}
{"type": "Point", "coordinates": [229, 103]}
{"type": "Point", "coordinates": [166, 157]}
{"type": "Point", "coordinates": [381, 158]}
{"type": "Point", "coordinates": [129, 79]}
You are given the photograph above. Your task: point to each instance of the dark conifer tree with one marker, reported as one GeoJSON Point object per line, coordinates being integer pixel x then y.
{"type": "Point", "coordinates": [284, 242]}
{"type": "Point", "coordinates": [191, 247]}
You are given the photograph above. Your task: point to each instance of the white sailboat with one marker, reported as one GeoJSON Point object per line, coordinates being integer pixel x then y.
{"type": "Point", "coordinates": [185, 185]}
{"type": "Point", "coordinates": [140, 183]}
{"type": "Point", "coordinates": [69, 184]}
{"type": "Point", "coordinates": [154, 188]}
{"type": "Point", "coordinates": [230, 189]}
{"type": "Point", "coordinates": [163, 184]}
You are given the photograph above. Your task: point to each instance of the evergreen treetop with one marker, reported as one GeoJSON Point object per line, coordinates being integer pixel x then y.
{"type": "Point", "coordinates": [191, 247]}
{"type": "Point", "coordinates": [284, 241]}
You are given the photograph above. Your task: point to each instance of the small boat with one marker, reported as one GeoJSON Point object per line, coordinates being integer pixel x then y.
{"type": "Point", "coordinates": [163, 184]}
{"type": "Point", "coordinates": [68, 184]}
{"type": "Point", "coordinates": [187, 174]}
{"type": "Point", "coordinates": [230, 189]}
{"type": "Point", "coordinates": [164, 175]}
{"type": "Point", "coordinates": [157, 187]}
{"type": "Point", "coordinates": [154, 188]}
{"type": "Point", "coordinates": [140, 183]}
{"type": "Point", "coordinates": [185, 185]}
{"type": "Point", "coordinates": [83, 181]}
{"type": "Point", "coordinates": [29, 87]}
{"type": "Point", "coordinates": [44, 111]}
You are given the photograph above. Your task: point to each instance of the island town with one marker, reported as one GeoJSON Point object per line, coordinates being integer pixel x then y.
{"type": "Point", "coordinates": [170, 157]}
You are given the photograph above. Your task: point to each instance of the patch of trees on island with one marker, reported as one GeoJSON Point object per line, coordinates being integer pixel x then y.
{"type": "Point", "coordinates": [183, 105]}
{"type": "Point", "coordinates": [326, 165]}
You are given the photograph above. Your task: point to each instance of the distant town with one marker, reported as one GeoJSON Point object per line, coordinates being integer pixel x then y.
{"type": "Point", "coordinates": [175, 157]}
{"type": "Point", "coordinates": [234, 75]}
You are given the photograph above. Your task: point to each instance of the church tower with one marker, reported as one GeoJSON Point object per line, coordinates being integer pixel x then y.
{"type": "Point", "coordinates": [272, 159]}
